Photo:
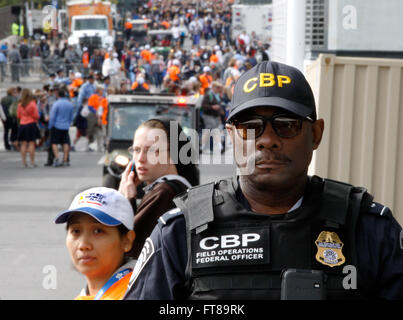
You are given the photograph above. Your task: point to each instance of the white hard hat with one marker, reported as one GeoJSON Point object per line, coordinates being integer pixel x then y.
{"type": "Point", "coordinates": [206, 69]}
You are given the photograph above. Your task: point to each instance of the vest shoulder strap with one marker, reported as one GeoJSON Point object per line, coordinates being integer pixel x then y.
{"type": "Point", "coordinates": [200, 200]}
{"type": "Point", "coordinates": [338, 198]}
{"type": "Point", "coordinates": [335, 202]}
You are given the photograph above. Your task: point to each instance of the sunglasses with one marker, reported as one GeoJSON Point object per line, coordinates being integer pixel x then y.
{"type": "Point", "coordinates": [284, 125]}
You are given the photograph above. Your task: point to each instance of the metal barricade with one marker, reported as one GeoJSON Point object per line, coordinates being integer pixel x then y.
{"type": "Point", "coordinates": [38, 68]}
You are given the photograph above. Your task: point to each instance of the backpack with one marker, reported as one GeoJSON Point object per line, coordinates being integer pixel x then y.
{"type": "Point", "coordinates": [12, 111]}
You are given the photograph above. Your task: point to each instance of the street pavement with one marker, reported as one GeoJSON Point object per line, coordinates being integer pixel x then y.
{"type": "Point", "coordinates": [35, 264]}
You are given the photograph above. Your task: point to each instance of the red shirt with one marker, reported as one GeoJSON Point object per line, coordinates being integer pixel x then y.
{"type": "Point", "coordinates": [28, 114]}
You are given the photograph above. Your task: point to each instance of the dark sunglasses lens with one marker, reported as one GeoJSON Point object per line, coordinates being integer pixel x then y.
{"type": "Point", "coordinates": [287, 127]}
{"type": "Point", "coordinates": [257, 125]}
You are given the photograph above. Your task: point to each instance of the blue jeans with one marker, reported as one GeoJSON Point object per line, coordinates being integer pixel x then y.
{"type": "Point", "coordinates": [196, 39]}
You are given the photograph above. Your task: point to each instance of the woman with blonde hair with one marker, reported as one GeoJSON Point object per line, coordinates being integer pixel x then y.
{"type": "Point", "coordinates": [28, 132]}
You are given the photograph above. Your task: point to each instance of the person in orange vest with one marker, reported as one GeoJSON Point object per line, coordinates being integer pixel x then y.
{"type": "Point", "coordinates": [76, 83]}
{"type": "Point", "coordinates": [145, 54]}
{"type": "Point", "coordinates": [205, 79]}
{"type": "Point", "coordinates": [166, 24]}
{"type": "Point", "coordinates": [214, 58]}
{"type": "Point", "coordinates": [86, 61]}
{"type": "Point", "coordinates": [128, 29]}
{"type": "Point", "coordinates": [174, 71]}
{"type": "Point", "coordinates": [97, 103]}
{"type": "Point", "coordinates": [99, 237]}
{"type": "Point", "coordinates": [140, 85]}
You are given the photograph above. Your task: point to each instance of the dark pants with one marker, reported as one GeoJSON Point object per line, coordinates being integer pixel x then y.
{"type": "Point", "coordinates": [51, 156]}
{"type": "Point", "coordinates": [10, 132]}
{"type": "Point", "coordinates": [2, 71]}
{"type": "Point", "coordinates": [128, 34]}
{"type": "Point", "coordinates": [25, 67]}
{"type": "Point", "coordinates": [15, 72]}
{"type": "Point", "coordinates": [7, 130]}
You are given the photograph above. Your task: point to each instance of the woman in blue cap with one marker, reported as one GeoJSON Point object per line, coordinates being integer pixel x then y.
{"type": "Point", "coordinates": [99, 236]}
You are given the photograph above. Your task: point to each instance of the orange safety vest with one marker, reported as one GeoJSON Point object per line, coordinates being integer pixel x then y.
{"type": "Point", "coordinates": [128, 25]}
{"type": "Point", "coordinates": [75, 84]}
{"type": "Point", "coordinates": [136, 84]}
{"type": "Point", "coordinates": [174, 72]}
{"type": "Point", "coordinates": [146, 55]}
{"type": "Point", "coordinates": [165, 24]}
{"type": "Point", "coordinates": [205, 81]}
{"type": "Point", "coordinates": [86, 59]}
{"type": "Point", "coordinates": [104, 104]}
{"type": "Point", "coordinates": [94, 101]}
{"type": "Point", "coordinates": [115, 292]}
{"type": "Point", "coordinates": [213, 58]}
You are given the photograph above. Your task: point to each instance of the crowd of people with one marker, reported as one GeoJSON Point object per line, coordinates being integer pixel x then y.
{"type": "Point", "coordinates": [177, 240]}
{"type": "Point", "coordinates": [198, 58]}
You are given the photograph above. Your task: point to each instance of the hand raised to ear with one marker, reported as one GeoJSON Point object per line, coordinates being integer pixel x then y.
{"type": "Point", "coordinates": [128, 183]}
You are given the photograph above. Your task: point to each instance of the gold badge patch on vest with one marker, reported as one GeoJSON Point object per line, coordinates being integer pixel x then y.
{"type": "Point", "coordinates": [329, 249]}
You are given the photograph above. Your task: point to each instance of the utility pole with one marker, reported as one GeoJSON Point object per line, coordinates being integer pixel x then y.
{"type": "Point", "coordinates": [295, 42]}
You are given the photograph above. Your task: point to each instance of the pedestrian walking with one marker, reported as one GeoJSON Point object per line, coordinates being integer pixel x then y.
{"type": "Point", "coordinates": [10, 123]}
{"type": "Point", "coordinates": [15, 61]}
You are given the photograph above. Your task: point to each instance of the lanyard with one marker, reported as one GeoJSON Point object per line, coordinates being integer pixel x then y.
{"type": "Point", "coordinates": [116, 277]}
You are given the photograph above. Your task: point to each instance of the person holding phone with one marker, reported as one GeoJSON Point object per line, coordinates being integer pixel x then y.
{"type": "Point", "coordinates": [152, 165]}
{"type": "Point", "coordinates": [273, 230]}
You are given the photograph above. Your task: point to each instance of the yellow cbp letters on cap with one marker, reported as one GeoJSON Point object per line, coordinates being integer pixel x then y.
{"type": "Point", "coordinates": [265, 80]}
{"type": "Point", "coordinates": [329, 249]}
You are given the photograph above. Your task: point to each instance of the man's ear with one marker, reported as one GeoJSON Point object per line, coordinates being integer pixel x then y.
{"type": "Point", "coordinates": [317, 132]}
{"type": "Point", "coordinates": [230, 130]}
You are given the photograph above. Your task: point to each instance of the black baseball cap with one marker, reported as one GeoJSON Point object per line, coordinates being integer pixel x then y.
{"type": "Point", "coordinates": [273, 84]}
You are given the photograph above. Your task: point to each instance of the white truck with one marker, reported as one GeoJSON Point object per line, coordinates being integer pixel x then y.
{"type": "Point", "coordinates": [90, 23]}
{"type": "Point", "coordinates": [252, 18]}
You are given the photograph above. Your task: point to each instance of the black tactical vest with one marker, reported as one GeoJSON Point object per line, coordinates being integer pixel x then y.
{"type": "Point", "coordinates": [234, 253]}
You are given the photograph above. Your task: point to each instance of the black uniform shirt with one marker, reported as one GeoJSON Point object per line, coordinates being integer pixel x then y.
{"type": "Point", "coordinates": [160, 271]}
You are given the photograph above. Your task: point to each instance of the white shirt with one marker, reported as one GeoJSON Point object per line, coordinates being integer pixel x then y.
{"type": "Point", "coordinates": [110, 67]}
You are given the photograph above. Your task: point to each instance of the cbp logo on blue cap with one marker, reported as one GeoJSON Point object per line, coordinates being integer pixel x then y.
{"type": "Point", "coordinates": [266, 80]}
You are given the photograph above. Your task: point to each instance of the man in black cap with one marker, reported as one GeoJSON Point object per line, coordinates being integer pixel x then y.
{"type": "Point", "coordinates": [273, 232]}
